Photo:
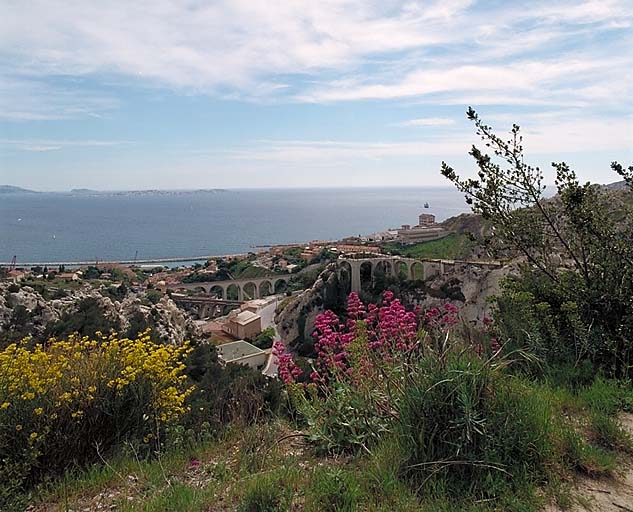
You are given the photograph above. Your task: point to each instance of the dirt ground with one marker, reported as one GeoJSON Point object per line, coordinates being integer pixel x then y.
{"type": "Point", "coordinates": [604, 494]}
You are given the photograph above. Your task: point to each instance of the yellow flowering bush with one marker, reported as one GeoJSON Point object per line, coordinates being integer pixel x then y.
{"type": "Point", "coordinates": [63, 400]}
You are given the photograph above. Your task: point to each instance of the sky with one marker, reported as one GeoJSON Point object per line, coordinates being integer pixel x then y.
{"type": "Point", "coordinates": [302, 93]}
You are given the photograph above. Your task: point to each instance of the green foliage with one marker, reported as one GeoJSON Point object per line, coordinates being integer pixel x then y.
{"type": "Point", "coordinates": [91, 272]}
{"type": "Point", "coordinates": [467, 431]}
{"type": "Point", "coordinates": [225, 395]}
{"type": "Point", "coordinates": [265, 338]}
{"type": "Point", "coordinates": [266, 492]}
{"type": "Point", "coordinates": [332, 490]}
{"type": "Point", "coordinates": [153, 296]}
{"type": "Point", "coordinates": [579, 247]}
{"type": "Point", "coordinates": [453, 246]}
{"type": "Point", "coordinates": [88, 319]}
{"type": "Point", "coordinates": [305, 278]}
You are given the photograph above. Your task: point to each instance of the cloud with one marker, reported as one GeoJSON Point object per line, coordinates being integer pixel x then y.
{"type": "Point", "coordinates": [44, 145]}
{"type": "Point", "coordinates": [333, 50]}
{"type": "Point", "coordinates": [523, 81]}
{"type": "Point", "coordinates": [543, 134]}
{"type": "Point", "coordinates": [426, 121]}
{"type": "Point", "coordinates": [29, 99]}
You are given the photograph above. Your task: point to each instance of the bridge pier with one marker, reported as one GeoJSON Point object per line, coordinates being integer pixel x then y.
{"type": "Point", "coordinates": [355, 277]}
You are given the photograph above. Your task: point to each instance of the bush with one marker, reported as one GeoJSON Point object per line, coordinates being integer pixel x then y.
{"type": "Point", "coordinates": [267, 492]}
{"type": "Point", "coordinates": [332, 490]}
{"type": "Point", "coordinates": [265, 338]}
{"type": "Point", "coordinates": [228, 394]}
{"type": "Point", "coordinates": [465, 429]}
{"type": "Point", "coordinates": [459, 426]}
{"type": "Point", "coordinates": [67, 402]}
{"type": "Point", "coordinates": [88, 319]}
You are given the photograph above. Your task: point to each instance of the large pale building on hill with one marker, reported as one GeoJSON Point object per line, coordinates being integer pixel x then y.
{"type": "Point", "coordinates": [243, 324]}
{"type": "Point", "coordinates": [425, 231]}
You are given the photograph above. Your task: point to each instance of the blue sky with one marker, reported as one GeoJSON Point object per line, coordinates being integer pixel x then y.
{"type": "Point", "coordinates": [249, 93]}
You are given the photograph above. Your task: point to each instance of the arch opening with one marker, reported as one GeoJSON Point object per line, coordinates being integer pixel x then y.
{"type": "Point", "coordinates": [417, 271]}
{"type": "Point", "coordinates": [402, 270]}
{"type": "Point", "coordinates": [265, 289]}
{"type": "Point", "coordinates": [249, 291]}
{"type": "Point", "coordinates": [366, 275]}
{"type": "Point", "coordinates": [280, 286]}
{"type": "Point", "coordinates": [216, 292]}
{"type": "Point", "coordinates": [233, 292]}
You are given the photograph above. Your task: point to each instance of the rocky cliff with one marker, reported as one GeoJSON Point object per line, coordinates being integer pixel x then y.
{"type": "Point", "coordinates": [28, 311]}
{"type": "Point", "coordinates": [469, 288]}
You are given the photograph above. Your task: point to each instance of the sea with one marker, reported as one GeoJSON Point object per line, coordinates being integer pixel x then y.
{"type": "Point", "coordinates": [60, 227]}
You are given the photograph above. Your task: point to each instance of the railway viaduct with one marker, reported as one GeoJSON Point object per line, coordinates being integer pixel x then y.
{"type": "Point", "coordinates": [408, 268]}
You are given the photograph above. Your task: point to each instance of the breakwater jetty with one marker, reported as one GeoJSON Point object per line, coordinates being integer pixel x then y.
{"type": "Point", "coordinates": [137, 261]}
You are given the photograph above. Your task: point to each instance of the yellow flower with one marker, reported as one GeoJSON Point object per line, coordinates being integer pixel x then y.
{"type": "Point", "coordinates": [33, 436]}
{"type": "Point", "coordinates": [5, 405]}
{"type": "Point", "coordinates": [38, 411]}
{"type": "Point", "coordinates": [18, 427]}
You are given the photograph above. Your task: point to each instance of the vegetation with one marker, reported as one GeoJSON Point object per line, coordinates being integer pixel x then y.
{"type": "Point", "coordinates": [578, 250]}
{"type": "Point", "coordinates": [67, 402]}
{"type": "Point", "coordinates": [88, 319]}
{"type": "Point", "coordinates": [399, 408]}
{"type": "Point", "coordinates": [265, 338]}
{"type": "Point", "coordinates": [453, 246]}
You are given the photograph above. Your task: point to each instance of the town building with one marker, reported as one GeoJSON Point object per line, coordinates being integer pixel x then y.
{"type": "Point", "coordinates": [425, 231]}
{"type": "Point", "coordinates": [242, 352]}
{"type": "Point", "coordinates": [68, 276]}
{"type": "Point", "coordinates": [254, 305]}
{"type": "Point", "coordinates": [351, 248]}
{"type": "Point", "coordinates": [426, 219]}
{"type": "Point", "coordinates": [243, 324]}
{"type": "Point", "coordinates": [17, 275]}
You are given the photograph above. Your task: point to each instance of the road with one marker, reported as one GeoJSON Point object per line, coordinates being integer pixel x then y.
{"type": "Point", "coordinates": [268, 320]}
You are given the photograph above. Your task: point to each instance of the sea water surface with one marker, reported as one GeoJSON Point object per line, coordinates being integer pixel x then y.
{"type": "Point", "coordinates": [78, 227]}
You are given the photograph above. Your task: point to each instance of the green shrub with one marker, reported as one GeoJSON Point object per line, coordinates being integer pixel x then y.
{"type": "Point", "coordinates": [332, 490]}
{"type": "Point", "coordinates": [266, 492]}
{"type": "Point", "coordinates": [471, 431]}
{"type": "Point", "coordinates": [69, 402]}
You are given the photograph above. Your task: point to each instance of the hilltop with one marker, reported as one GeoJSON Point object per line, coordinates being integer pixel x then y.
{"type": "Point", "coordinates": [10, 189]}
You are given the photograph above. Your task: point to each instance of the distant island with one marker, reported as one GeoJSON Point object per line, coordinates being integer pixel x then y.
{"type": "Point", "coordinates": [10, 189]}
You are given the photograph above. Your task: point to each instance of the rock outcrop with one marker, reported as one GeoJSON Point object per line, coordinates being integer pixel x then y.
{"type": "Point", "coordinates": [168, 322]}
{"type": "Point", "coordinates": [470, 288]}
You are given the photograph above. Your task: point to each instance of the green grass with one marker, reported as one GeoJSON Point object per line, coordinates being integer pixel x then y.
{"type": "Point", "coordinates": [453, 246]}
{"type": "Point", "coordinates": [265, 467]}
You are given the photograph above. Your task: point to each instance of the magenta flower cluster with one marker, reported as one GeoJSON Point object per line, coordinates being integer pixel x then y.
{"type": "Point", "coordinates": [390, 329]}
{"type": "Point", "coordinates": [288, 371]}
{"type": "Point", "coordinates": [442, 317]}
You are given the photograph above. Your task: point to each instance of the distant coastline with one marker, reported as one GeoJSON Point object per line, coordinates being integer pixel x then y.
{"type": "Point", "coordinates": [116, 226]}
{"type": "Point", "coordinates": [10, 189]}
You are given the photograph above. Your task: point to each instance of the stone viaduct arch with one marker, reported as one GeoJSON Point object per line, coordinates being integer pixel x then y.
{"type": "Point", "coordinates": [252, 288]}
{"type": "Point", "coordinates": [407, 268]}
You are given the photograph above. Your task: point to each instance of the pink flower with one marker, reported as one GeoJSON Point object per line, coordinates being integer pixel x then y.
{"type": "Point", "coordinates": [288, 371]}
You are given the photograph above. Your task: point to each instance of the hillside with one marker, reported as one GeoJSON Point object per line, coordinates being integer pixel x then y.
{"type": "Point", "coordinates": [10, 189]}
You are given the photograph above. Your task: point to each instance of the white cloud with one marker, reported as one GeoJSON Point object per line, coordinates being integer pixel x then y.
{"type": "Point", "coordinates": [262, 48]}
{"type": "Point", "coordinates": [27, 99]}
{"type": "Point", "coordinates": [543, 134]}
{"type": "Point", "coordinates": [44, 145]}
{"type": "Point", "coordinates": [525, 80]}
{"type": "Point", "coordinates": [426, 121]}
